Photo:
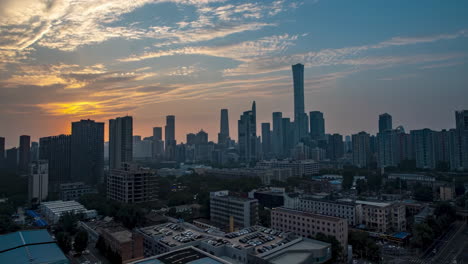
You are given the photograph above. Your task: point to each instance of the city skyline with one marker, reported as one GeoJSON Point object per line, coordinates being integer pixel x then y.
{"type": "Point", "coordinates": [224, 56]}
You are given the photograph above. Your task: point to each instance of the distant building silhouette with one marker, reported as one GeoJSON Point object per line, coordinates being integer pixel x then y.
{"type": "Point", "coordinates": [2, 152]}
{"type": "Point", "coordinates": [57, 151]}
{"type": "Point", "coordinates": [385, 122]}
{"type": "Point", "coordinates": [266, 140]}
{"type": "Point", "coordinates": [223, 136]}
{"type": "Point", "coordinates": [158, 143]}
{"type": "Point", "coordinates": [87, 155]}
{"type": "Point", "coordinates": [169, 134]}
{"type": "Point", "coordinates": [12, 159]}
{"type": "Point", "coordinates": [24, 154]}
{"type": "Point", "coordinates": [317, 125]}
{"type": "Point", "coordinates": [361, 149]}
{"type": "Point", "coordinates": [120, 141]}
{"type": "Point", "coordinates": [247, 135]}
{"type": "Point", "coordinates": [277, 134]}
{"type": "Point", "coordinates": [300, 118]}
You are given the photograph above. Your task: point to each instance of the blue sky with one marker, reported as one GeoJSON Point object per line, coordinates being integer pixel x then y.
{"type": "Point", "coordinates": [62, 61]}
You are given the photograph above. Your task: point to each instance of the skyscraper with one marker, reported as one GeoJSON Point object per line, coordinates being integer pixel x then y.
{"type": "Point", "coordinates": [317, 125]}
{"type": "Point", "coordinates": [288, 136]}
{"type": "Point", "coordinates": [461, 118]}
{"type": "Point", "coordinates": [277, 135]}
{"type": "Point", "coordinates": [424, 148]}
{"type": "Point", "coordinates": [2, 152]}
{"type": "Point", "coordinates": [385, 122]}
{"type": "Point", "coordinates": [300, 118]}
{"type": "Point", "coordinates": [57, 151]}
{"type": "Point", "coordinates": [247, 135]}
{"type": "Point", "coordinates": [120, 141]}
{"type": "Point", "coordinates": [87, 151]}
{"type": "Point", "coordinates": [335, 147]}
{"type": "Point", "coordinates": [169, 134]}
{"type": "Point", "coordinates": [266, 140]}
{"type": "Point", "coordinates": [223, 135]}
{"type": "Point", "coordinates": [24, 153]}
{"type": "Point", "coordinates": [11, 161]}
{"type": "Point", "coordinates": [361, 149]}
{"type": "Point", "coordinates": [158, 143]}
{"type": "Point", "coordinates": [34, 151]}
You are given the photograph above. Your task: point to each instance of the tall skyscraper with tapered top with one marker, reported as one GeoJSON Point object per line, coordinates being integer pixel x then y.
{"type": "Point", "coordinates": [223, 135]}
{"type": "Point", "coordinates": [300, 117]}
{"type": "Point", "coordinates": [169, 134]}
{"type": "Point", "coordinates": [87, 151]}
{"type": "Point", "coordinates": [120, 141]}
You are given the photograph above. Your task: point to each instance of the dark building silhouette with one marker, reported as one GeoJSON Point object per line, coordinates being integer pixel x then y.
{"type": "Point", "coordinates": [120, 141]}
{"type": "Point", "coordinates": [24, 153]}
{"type": "Point", "coordinates": [317, 125]}
{"type": "Point", "coordinates": [300, 118]}
{"type": "Point", "coordinates": [223, 136]}
{"type": "Point", "coordinates": [2, 152]}
{"type": "Point", "coordinates": [266, 139]}
{"type": "Point", "coordinates": [57, 151]}
{"type": "Point", "coordinates": [288, 136]}
{"type": "Point", "coordinates": [385, 122]}
{"type": "Point", "coordinates": [277, 134]}
{"type": "Point", "coordinates": [34, 151]}
{"type": "Point", "coordinates": [247, 134]}
{"type": "Point", "coordinates": [158, 143]}
{"type": "Point", "coordinates": [87, 154]}
{"type": "Point", "coordinates": [12, 159]}
{"type": "Point", "coordinates": [191, 137]}
{"type": "Point", "coordinates": [169, 134]}
{"type": "Point", "coordinates": [335, 147]}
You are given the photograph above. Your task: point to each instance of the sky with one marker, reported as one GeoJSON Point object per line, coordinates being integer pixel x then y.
{"type": "Point", "coordinates": [62, 61]}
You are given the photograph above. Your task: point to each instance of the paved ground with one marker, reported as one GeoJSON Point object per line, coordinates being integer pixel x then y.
{"type": "Point", "coordinates": [93, 257]}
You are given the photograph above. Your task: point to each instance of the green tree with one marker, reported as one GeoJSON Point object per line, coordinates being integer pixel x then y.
{"type": "Point", "coordinates": [361, 186]}
{"type": "Point", "coordinates": [364, 246]}
{"type": "Point", "coordinates": [348, 178]}
{"type": "Point", "coordinates": [81, 241]}
{"type": "Point", "coordinates": [264, 215]}
{"type": "Point", "coordinates": [337, 249]}
{"type": "Point", "coordinates": [68, 223]}
{"type": "Point", "coordinates": [423, 193]}
{"type": "Point", "coordinates": [423, 235]}
{"type": "Point", "coordinates": [64, 242]}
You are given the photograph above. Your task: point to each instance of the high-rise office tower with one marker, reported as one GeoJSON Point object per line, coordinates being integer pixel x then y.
{"type": "Point", "coordinates": [335, 147]}
{"type": "Point", "coordinates": [169, 134]}
{"type": "Point", "coordinates": [300, 118]}
{"type": "Point", "coordinates": [120, 141]}
{"type": "Point", "coordinates": [191, 138]}
{"type": "Point", "coordinates": [223, 135]}
{"type": "Point", "coordinates": [288, 136]}
{"type": "Point", "coordinates": [247, 135]}
{"type": "Point", "coordinates": [34, 151]}
{"type": "Point", "coordinates": [266, 140]}
{"type": "Point", "coordinates": [317, 125]}
{"type": "Point", "coordinates": [424, 148]}
{"type": "Point", "coordinates": [24, 153]}
{"type": "Point", "coordinates": [385, 122]}
{"type": "Point", "coordinates": [87, 154]}
{"type": "Point", "coordinates": [57, 151]}
{"type": "Point", "coordinates": [2, 152]}
{"type": "Point", "coordinates": [277, 134]}
{"type": "Point", "coordinates": [158, 143]}
{"type": "Point", "coordinates": [361, 149]}
{"type": "Point", "coordinates": [11, 161]}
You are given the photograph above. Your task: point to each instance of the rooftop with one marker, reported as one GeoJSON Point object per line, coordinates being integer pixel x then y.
{"type": "Point", "coordinates": [303, 213]}
{"type": "Point", "coordinates": [378, 204]}
{"type": "Point", "coordinates": [32, 246]}
{"type": "Point", "coordinates": [173, 234]}
{"type": "Point", "coordinates": [298, 251]}
{"type": "Point", "coordinates": [189, 255]}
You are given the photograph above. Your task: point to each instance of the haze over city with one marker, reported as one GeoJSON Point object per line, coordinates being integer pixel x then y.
{"type": "Point", "coordinates": [62, 61]}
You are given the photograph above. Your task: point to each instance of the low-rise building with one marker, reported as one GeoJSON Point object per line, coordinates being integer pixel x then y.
{"type": "Point", "coordinates": [447, 192]}
{"type": "Point", "coordinates": [227, 210]}
{"type": "Point", "coordinates": [299, 167]}
{"type": "Point", "coordinates": [383, 217]}
{"type": "Point", "coordinates": [308, 224]}
{"type": "Point", "coordinates": [74, 190]}
{"type": "Point", "coordinates": [269, 197]}
{"type": "Point", "coordinates": [53, 210]}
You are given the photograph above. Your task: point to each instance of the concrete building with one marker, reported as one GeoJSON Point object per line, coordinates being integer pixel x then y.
{"type": "Point", "coordinates": [132, 184]}
{"type": "Point", "coordinates": [301, 124]}
{"type": "Point", "coordinates": [299, 167]}
{"type": "Point", "coordinates": [186, 255]}
{"type": "Point", "coordinates": [361, 149]}
{"type": "Point", "coordinates": [383, 217]}
{"type": "Point", "coordinates": [87, 151]}
{"type": "Point", "coordinates": [348, 210]}
{"type": "Point", "coordinates": [335, 147]}
{"type": "Point", "coordinates": [270, 197]}
{"type": "Point", "coordinates": [169, 136]}
{"type": "Point", "coordinates": [266, 140]}
{"type": "Point", "coordinates": [317, 125]}
{"type": "Point", "coordinates": [38, 181]}
{"type": "Point", "coordinates": [53, 210]}
{"type": "Point", "coordinates": [459, 142]}
{"type": "Point", "coordinates": [11, 161]}
{"type": "Point", "coordinates": [223, 135]}
{"type": "Point", "coordinates": [447, 192]}
{"type": "Point", "coordinates": [74, 190]}
{"type": "Point", "coordinates": [307, 224]}
{"type": "Point", "coordinates": [424, 148]}
{"type": "Point", "coordinates": [231, 211]}
{"type": "Point", "coordinates": [57, 151]}
{"type": "Point", "coordinates": [120, 141]}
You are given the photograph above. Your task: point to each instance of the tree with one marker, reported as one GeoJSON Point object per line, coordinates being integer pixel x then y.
{"type": "Point", "coordinates": [337, 249]}
{"type": "Point", "coordinates": [64, 242]}
{"type": "Point", "coordinates": [423, 236]}
{"type": "Point", "coordinates": [81, 241]}
{"type": "Point", "coordinates": [364, 246]}
{"type": "Point", "coordinates": [361, 186]}
{"type": "Point", "coordinates": [68, 223]}
{"type": "Point", "coordinates": [423, 193]}
{"type": "Point", "coordinates": [348, 178]}
{"type": "Point", "coordinates": [264, 215]}
{"type": "Point", "coordinates": [374, 182]}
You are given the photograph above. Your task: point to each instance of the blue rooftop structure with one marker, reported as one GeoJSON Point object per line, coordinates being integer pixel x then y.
{"type": "Point", "coordinates": [30, 247]}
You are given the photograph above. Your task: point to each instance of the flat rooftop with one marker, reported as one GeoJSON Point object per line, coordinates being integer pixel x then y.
{"type": "Point", "coordinates": [173, 234]}
{"type": "Point", "coordinates": [310, 214]}
{"type": "Point", "coordinates": [299, 251]}
{"type": "Point", "coordinates": [188, 255]}
{"type": "Point", "coordinates": [378, 204]}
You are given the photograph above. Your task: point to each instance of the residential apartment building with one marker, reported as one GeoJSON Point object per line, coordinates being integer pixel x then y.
{"type": "Point", "coordinates": [383, 217]}
{"type": "Point", "coordinates": [298, 167]}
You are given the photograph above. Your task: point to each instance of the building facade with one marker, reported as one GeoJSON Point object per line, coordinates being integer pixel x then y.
{"type": "Point", "coordinates": [227, 210]}
{"type": "Point", "coordinates": [120, 141]}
